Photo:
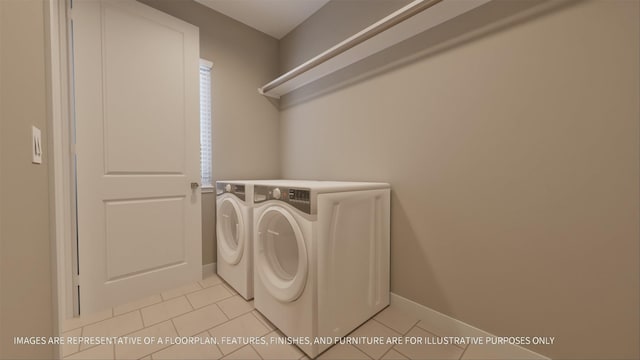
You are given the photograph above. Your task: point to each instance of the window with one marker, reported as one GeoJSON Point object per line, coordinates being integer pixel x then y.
{"type": "Point", "coordinates": [205, 123]}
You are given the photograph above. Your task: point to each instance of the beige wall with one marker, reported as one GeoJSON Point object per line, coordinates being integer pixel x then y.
{"type": "Point", "coordinates": [209, 250]}
{"type": "Point", "coordinates": [336, 21]}
{"type": "Point", "coordinates": [513, 159]}
{"type": "Point", "coordinates": [25, 273]}
{"type": "Point", "coordinates": [245, 124]}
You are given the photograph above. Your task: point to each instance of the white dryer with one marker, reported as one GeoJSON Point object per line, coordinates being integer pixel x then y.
{"type": "Point", "coordinates": [321, 257]}
{"type": "Point", "coordinates": [234, 224]}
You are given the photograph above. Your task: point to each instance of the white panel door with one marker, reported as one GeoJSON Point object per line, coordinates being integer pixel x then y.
{"type": "Point", "coordinates": [138, 151]}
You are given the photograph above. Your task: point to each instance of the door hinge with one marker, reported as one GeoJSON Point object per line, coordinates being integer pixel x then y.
{"type": "Point", "coordinates": [76, 280]}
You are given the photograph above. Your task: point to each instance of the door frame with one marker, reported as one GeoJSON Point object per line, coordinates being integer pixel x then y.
{"type": "Point", "coordinates": [62, 197]}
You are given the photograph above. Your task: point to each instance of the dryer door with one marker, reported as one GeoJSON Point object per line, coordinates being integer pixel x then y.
{"type": "Point", "coordinates": [230, 230]}
{"type": "Point", "coordinates": [281, 254]}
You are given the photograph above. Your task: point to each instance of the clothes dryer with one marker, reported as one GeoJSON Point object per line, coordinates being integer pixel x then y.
{"type": "Point", "coordinates": [321, 257]}
{"type": "Point", "coordinates": [234, 224]}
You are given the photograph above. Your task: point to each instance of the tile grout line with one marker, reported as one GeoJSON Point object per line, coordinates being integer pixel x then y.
{"type": "Point", "coordinates": [360, 326]}
{"type": "Point", "coordinates": [168, 345]}
{"type": "Point", "coordinates": [170, 318]}
{"type": "Point", "coordinates": [129, 333]}
{"type": "Point", "coordinates": [362, 350]}
{"type": "Point", "coordinates": [225, 315]}
{"type": "Point", "coordinates": [215, 302]}
{"type": "Point", "coordinates": [400, 352]}
{"type": "Point", "coordinates": [386, 352]}
{"type": "Point", "coordinates": [229, 319]}
{"type": "Point", "coordinates": [183, 294]}
{"type": "Point", "coordinates": [238, 349]}
{"type": "Point", "coordinates": [217, 345]}
{"type": "Point", "coordinates": [141, 320]}
{"type": "Point", "coordinates": [91, 323]}
{"type": "Point", "coordinates": [260, 321]}
{"type": "Point", "coordinates": [174, 326]}
{"type": "Point", "coordinates": [238, 315]}
{"type": "Point", "coordinates": [269, 331]}
{"type": "Point", "coordinates": [144, 328]}
{"type": "Point", "coordinates": [138, 308]}
{"type": "Point", "coordinates": [112, 309]}
{"type": "Point", "coordinates": [279, 333]}
{"type": "Point", "coordinates": [82, 327]}
{"type": "Point", "coordinates": [144, 324]}
{"type": "Point", "coordinates": [193, 308]}
{"type": "Point", "coordinates": [388, 327]}
{"type": "Point", "coordinates": [438, 335]}
{"type": "Point", "coordinates": [213, 327]}
{"type": "Point", "coordinates": [230, 289]}
{"type": "Point", "coordinates": [113, 347]}
{"type": "Point", "coordinates": [222, 323]}
{"type": "Point", "coordinates": [254, 349]}
{"type": "Point", "coordinates": [259, 318]}
{"type": "Point", "coordinates": [416, 326]}
{"type": "Point", "coordinates": [463, 352]}
{"type": "Point", "coordinates": [77, 351]}
{"type": "Point", "coordinates": [81, 335]}
{"type": "Point", "coordinates": [365, 354]}
{"type": "Point", "coordinates": [212, 285]}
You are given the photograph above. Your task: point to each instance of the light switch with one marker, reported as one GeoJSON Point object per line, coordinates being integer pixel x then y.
{"type": "Point", "coordinates": [36, 145]}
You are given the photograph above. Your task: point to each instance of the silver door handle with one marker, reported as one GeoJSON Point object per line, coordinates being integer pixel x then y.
{"type": "Point", "coordinates": [194, 185]}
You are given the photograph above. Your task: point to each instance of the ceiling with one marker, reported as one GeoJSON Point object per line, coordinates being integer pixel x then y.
{"type": "Point", "coordinates": [274, 17]}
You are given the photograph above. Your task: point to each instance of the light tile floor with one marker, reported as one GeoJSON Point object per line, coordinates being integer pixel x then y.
{"type": "Point", "coordinates": [211, 308]}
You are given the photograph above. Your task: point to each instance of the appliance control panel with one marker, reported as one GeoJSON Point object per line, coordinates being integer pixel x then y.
{"type": "Point", "coordinates": [299, 198]}
{"type": "Point", "coordinates": [230, 188]}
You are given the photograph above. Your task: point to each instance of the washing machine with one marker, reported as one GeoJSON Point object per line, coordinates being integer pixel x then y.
{"type": "Point", "coordinates": [234, 224]}
{"type": "Point", "coordinates": [321, 257]}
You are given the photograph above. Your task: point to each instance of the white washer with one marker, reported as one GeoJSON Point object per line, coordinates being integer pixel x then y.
{"type": "Point", "coordinates": [321, 257]}
{"type": "Point", "coordinates": [234, 224]}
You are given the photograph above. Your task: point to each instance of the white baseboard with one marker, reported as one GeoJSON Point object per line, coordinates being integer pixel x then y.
{"type": "Point", "coordinates": [444, 325]}
{"type": "Point", "coordinates": [208, 269]}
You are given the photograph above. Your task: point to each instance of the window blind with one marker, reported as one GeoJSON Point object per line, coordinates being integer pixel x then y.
{"type": "Point", "coordinates": [205, 123]}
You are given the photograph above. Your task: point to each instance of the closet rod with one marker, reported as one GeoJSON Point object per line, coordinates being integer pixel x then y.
{"type": "Point", "coordinates": [395, 18]}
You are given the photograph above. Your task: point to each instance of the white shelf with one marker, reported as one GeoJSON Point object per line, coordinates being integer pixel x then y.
{"type": "Point", "coordinates": [412, 19]}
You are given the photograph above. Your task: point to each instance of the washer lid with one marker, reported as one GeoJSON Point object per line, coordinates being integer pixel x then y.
{"type": "Point", "coordinates": [281, 254]}
{"type": "Point", "coordinates": [230, 230]}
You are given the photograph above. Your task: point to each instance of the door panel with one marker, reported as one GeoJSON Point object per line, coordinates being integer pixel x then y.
{"type": "Point", "coordinates": [135, 141]}
{"type": "Point", "coordinates": [136, 244]}
{"type": "Point", "coordinates": [138, 150]}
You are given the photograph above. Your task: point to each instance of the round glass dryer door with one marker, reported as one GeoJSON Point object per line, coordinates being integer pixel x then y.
{"type": "Point", "coordinates": [281, 258]}
{"type": "Point", "coordinates": [231, 236]}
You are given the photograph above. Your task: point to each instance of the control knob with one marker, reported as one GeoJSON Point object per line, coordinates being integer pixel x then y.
{"type": "Point", "coordinates": [276, 193]}
{"type": "Point", "coordinates": [227, 188]}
